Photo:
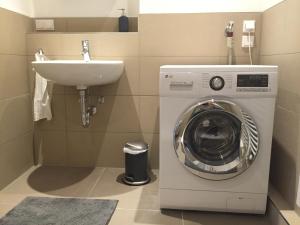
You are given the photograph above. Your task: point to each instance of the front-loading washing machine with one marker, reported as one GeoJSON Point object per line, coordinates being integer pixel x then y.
{"type": "Point", "coordinates": [216, 126]}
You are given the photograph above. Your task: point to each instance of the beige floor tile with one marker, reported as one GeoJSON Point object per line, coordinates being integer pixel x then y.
{"type": "Point", "coordinates": [130, 197]}
{"type": "Point", "coordinates": [206, 218]}
{"type": "Point", "coordinates": [55, 181]}
{"type": "Point", "coordinates": [144, 217]}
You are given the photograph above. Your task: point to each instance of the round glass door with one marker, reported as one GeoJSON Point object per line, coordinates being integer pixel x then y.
{"type": "Point", "coordinates": [216, 140]}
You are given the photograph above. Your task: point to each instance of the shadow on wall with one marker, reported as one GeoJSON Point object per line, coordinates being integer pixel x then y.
{"type": "Point", "coordinates": [117, 121]}
{"type": "Point", "coordinates": [283, 173]}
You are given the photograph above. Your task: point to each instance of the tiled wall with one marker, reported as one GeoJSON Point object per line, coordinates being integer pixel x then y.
{"type": "Point", "coordinates": [15, 102]}
{"type": "Point", "coordinates": [281, 46]}
{"type": "Point", "coordinates": [131, 107]}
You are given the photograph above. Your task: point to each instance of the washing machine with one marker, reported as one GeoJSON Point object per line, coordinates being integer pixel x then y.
{"type": "Point", "coordinates": [216, 125]}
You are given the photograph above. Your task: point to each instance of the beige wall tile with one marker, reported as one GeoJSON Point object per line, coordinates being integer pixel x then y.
{"type": "Point", "coordinates": [52, 148]}
{"type": "Point", "coordinates": [153, 141]}
{"type": "Point", "coordinates": [293, 26]}
{"type": "Point", "coordinates": [14, 28]}
{"type": "Point", "coordinates": [109, 152]}
{"type": "Point", "coordinates": [51, 43]}
{"type": "Point", "coordinates": [287, 130]}
{"type": "Point", "coordinates": [191, 34]}
{"type": "Point", "coordinates": [13, 76]}
{"type": "Point", "coordinates": [280, 46]}
{"type": "Point", "coordinates": [15, 118]}
{"type": "Point", "coordinates": [128, 83]}
{"type": "Point", "coordinates": [104, 24]}
{"type": "Point", "coordinates": [117, 114]}
{"type": "Point", "coordinates": [58, 121]}
{"type": "Point", "coordinates": [101, 44]}
{"type": "Point", "coordinates": [15, 158]}
{"type": "Point", "coordinates": [106, 149]}
{"type": "Point", "coordinates": [150, 66]}
{"type": "Point", "coordinates": [289, 68]}
{"type": "Point", "coordinates": [283, 173]}
{"type": "Point", "coordinates": [281, 29]}
{"type": "Point", "coordinates": [149, 114]}
{"type": "Point", "coordinates": [117, 44]}
{"type": "Point", "coordinates": [83, 148]}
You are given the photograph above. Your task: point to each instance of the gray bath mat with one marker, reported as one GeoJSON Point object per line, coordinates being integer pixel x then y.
{"type": "Point", "coordinates": [60, 211]}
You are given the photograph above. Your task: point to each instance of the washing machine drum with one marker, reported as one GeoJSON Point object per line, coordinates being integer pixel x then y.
{"type": "Point", "coordinates": [216, 139]}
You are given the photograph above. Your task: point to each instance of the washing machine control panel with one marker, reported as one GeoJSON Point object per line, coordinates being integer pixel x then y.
{"type": "Point", "coordinates": [217, 83]}
{"type": "Point", "coordinates": [192, 81]}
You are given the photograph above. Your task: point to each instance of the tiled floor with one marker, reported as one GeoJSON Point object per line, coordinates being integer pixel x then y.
{"type": "Point", "coordinates": [137, 205]}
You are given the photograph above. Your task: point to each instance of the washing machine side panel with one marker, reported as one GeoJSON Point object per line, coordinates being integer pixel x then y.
{"type": "Point", "coordinates": [173, 175]}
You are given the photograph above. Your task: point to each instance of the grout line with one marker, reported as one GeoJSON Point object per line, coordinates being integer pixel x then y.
{"type": "Point", "coordinates": [13, 54]}
{"type": "Point", "coordinates": [14, 97]}
{"type": "Point", "coordinates": [96, 182]}
{"type": "Point", "coordinates": [145, 210]}
{"type": "Point", "coordinates": [280, 54]}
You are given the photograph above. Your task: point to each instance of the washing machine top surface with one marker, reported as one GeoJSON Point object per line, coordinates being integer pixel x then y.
{"type": "Point", "coordinates": [218, 80]}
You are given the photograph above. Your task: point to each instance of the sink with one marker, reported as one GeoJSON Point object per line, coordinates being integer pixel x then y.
{"type": "Point", "coordinates": [80, 73]}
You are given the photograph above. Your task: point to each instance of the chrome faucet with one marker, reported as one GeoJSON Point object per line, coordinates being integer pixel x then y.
{"type": "Point", "coordinates": [39, 55]}
{"type": "Point", "coordinates": [86, 50]}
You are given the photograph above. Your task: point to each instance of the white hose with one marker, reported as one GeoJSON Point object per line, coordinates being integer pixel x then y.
{"type": "Point", "coordinates": [250, 52]}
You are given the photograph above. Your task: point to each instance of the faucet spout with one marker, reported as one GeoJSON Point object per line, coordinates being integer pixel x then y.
{"type": "Point", "coordinates": [86, 50]}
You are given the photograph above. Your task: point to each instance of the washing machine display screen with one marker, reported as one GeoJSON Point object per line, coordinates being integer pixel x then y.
{"type": "Point", "coordinates": [252, 80]}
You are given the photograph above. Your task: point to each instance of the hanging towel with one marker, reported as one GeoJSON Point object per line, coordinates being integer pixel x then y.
{"type": "Point", "coordinates": [42, 95]}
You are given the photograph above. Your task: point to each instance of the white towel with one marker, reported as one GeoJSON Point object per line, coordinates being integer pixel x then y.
{"type": "Point", "coordinates": [42, 95]}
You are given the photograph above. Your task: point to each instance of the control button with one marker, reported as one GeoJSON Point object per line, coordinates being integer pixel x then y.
{"type": "Point", "coordinates": [217, 83]}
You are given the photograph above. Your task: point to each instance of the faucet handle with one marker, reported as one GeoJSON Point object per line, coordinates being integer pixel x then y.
{"type": "Point", "coordinates": [85, 43]}
{"type": "Point", "coordinates": [40, 51]}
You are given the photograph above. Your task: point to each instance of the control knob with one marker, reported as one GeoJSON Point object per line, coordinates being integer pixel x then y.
{"type": "Point", "coordinates": [217, 83]}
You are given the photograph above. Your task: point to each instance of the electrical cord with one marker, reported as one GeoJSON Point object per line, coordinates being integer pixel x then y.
{"type": "Point", "coordinates": [250, 52]}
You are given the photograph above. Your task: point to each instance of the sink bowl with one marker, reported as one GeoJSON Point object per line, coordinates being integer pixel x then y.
{"type": "Point", "coordinates": [80, 73]}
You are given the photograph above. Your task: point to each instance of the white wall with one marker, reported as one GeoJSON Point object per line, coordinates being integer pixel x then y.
{"type": "Point", "coordinates": [197, 6]}
{"type": "Point", "coordinates": [24, 7]}
{"type": "Point", "coordinates": [84, 8]}
{"type": "Point", "coordinates": [103, 8]}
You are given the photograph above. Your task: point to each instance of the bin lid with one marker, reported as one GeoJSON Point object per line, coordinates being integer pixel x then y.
{"type": "Point", "coordinates": [135, 148]}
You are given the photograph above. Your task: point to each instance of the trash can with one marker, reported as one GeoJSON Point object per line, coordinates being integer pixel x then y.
{"type": "Point", "coordinates": [136, 163]}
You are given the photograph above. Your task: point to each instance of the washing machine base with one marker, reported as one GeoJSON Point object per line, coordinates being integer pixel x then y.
{"type": "Point", "coordinates": [213, 201]}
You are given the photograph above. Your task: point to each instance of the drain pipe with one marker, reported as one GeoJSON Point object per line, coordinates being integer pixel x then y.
{"type": "Point", "coordinates": [229, 37]}
{"type": "Point", "coordinates": [86, 112]}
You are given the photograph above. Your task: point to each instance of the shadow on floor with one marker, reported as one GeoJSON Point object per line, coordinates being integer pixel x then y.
{"type": "Point", "coordinates": [48, 179]}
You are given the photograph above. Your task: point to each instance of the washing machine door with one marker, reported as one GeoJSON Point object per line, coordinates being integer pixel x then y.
{"type": "Point", "coordinates": [216, 139]}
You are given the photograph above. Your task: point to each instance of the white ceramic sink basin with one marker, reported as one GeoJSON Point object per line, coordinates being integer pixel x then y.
{"type": "Point", "coordinates": [80, 73]}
